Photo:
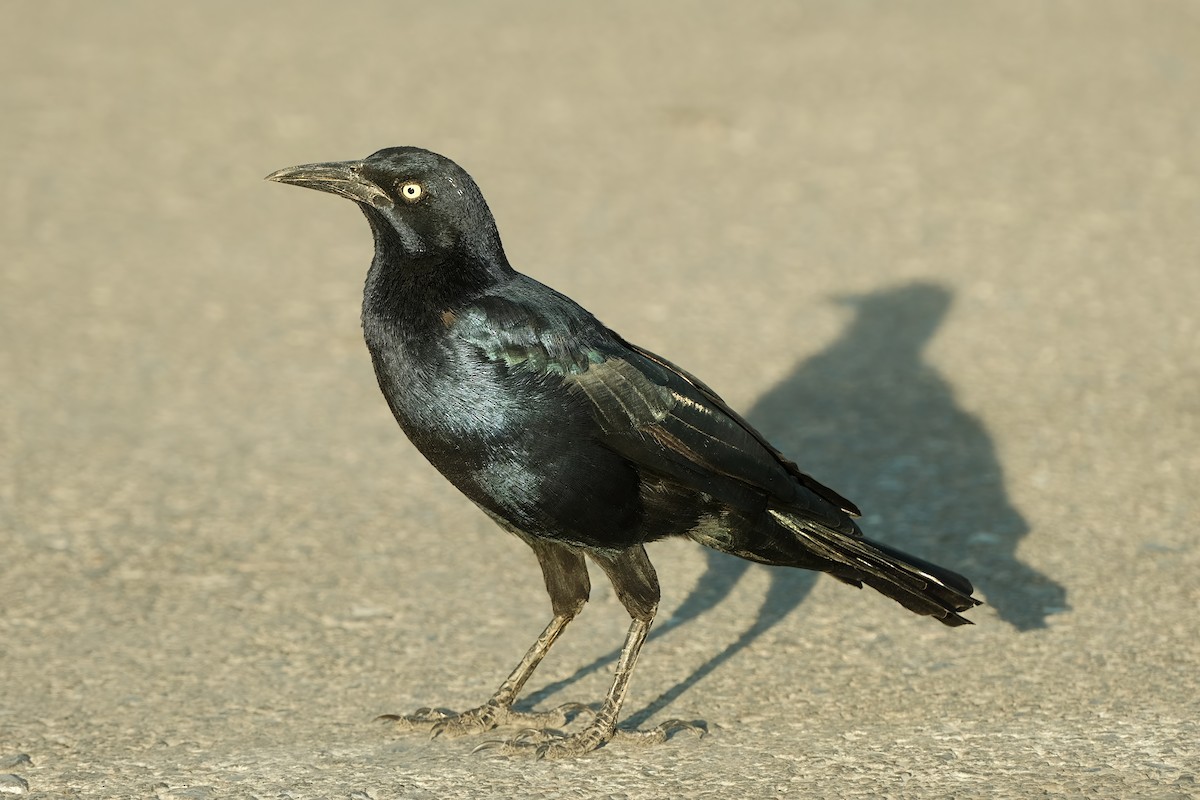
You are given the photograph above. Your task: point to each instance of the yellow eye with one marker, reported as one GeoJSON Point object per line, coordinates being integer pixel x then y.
{"type": "Point", "coordinates": [411, 191]}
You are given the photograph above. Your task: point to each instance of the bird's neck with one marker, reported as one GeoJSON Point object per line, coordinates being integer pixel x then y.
{"type": "Point", "coordinates": [411, 296]}
{"type": "Point", "coordinates": [411, 286]}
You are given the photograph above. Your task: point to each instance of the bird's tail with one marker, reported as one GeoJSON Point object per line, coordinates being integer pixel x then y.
{"type": "Point", "coordinates": [914, 583]}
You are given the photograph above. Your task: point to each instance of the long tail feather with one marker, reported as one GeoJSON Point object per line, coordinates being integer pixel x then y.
{"type": "Point", "coordinates": [916, 584]}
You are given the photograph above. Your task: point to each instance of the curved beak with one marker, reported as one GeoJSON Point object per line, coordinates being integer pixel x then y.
{"type": "Point", "coordinates": [343, 178]}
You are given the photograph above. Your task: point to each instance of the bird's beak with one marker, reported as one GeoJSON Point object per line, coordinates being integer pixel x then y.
{"type": "Point", "coordinates": [343, 178]}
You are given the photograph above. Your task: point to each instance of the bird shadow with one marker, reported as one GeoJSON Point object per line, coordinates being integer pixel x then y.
{"type": "Point", "coordinates": [872, 418]}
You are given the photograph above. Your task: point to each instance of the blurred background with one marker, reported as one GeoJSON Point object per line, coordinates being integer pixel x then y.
{"type": "Point", "coordinates": [943, 255]}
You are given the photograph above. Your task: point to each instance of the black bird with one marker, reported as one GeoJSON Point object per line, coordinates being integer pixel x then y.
{"type": "Point", "coordinates": [572, 438]}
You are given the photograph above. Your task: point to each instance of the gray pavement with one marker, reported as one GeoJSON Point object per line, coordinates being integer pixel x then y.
{"type": "Point", "coordinates": [945, 254]}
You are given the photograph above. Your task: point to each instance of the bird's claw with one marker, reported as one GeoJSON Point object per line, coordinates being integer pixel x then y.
{"type": "Point", "coordinates": [442, 721]}
{"type": "Point", "coordinates": [544, 743]}
{"type": "Point", "coordinates": [418, 719]}
{"type": "Point", "coordinates": [523, 741]}
{"type": "Point", "coordinates": [488, 744]}
{"type": "Point", "coordinates": [662, 732]}
{"type": "Point", "coordinates": [535, 735]}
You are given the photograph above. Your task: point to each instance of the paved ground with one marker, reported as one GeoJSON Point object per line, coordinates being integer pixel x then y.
{"type": "Point", "coordinates": [946, 255]}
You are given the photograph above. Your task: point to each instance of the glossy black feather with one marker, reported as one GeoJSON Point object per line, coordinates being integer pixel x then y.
{"type": "Point", "coordinates": [560, 429]}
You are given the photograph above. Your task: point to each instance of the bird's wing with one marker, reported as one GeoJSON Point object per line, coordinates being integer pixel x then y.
{"type": "Point", "coordinates": [712, 407]}
{"type": "Point", "coordinates": [672, 424]}
{"type": "Point", "coordinates": [645, 408]}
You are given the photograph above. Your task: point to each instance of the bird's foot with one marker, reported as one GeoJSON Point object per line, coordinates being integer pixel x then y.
{"type": "Point", "coordinates": [490, 715]}
{"type": "Point", "coordinates": [545, 743]}
{"type": "Point", "coordinates": [663, 731]}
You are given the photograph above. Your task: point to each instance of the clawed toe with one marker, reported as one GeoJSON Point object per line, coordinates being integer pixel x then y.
{"type": "Point", "coordinates": [535, 736]}
{"type": "Point", "coordinates": [663, 732]}
{"type": "Point", "coordinates": [545, 743]}
{"type": "Point", "coordinates": [443, 721]}
{"type": "Point", "coordinates": [489, 744]}
{"type": "Point", "coordinates": [418, 719]}
{"type": "Point", "coordinates": [526, 741]}
{"type": "Point", "coordinates": [540, 735]}
{"type": "Point", "coordinates": [440, 721]}
{"type": "Point", "coordinates": [530, 742]}
{"type": "Point", "coordinates": [555, 717]}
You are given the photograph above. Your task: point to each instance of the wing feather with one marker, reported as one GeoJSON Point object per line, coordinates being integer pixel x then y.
{"type": "Point", "coordinates": [662, 419]}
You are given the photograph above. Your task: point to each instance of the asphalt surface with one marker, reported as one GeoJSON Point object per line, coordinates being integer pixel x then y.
{"type": "Point", "coordinates": [945, 255]}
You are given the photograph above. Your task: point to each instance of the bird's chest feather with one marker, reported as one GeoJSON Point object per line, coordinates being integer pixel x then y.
{"type": "Point", "coordinates": [452, 404]}
{"type": "Point", "coordinates": [512, 441]}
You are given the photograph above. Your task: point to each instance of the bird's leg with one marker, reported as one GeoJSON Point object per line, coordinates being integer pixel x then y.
{"type": "Point", "coordinates": [498, 711]}
{"type": "Point", "coordinates": [636, 584]}
{"type": "Point", "coordinates": [567, 583]}
{"type": "Point", "coordinates": [604, 726]}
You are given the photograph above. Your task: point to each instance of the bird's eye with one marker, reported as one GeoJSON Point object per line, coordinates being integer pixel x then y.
{"type": "Point", "coordinates": [411, 191]}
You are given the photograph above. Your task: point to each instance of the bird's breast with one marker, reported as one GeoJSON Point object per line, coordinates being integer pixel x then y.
{"type": "Point", "coordinates": [443, 395]}
{"type": "Point", "coordinates": [511, 443]}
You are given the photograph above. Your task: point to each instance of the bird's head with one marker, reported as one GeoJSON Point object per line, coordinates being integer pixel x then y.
{"type": "Point", "coordinates": [423, 208]}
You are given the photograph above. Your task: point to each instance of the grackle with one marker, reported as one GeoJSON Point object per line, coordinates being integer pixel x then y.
{"type": "Point", "coordinates": [573, 439]}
